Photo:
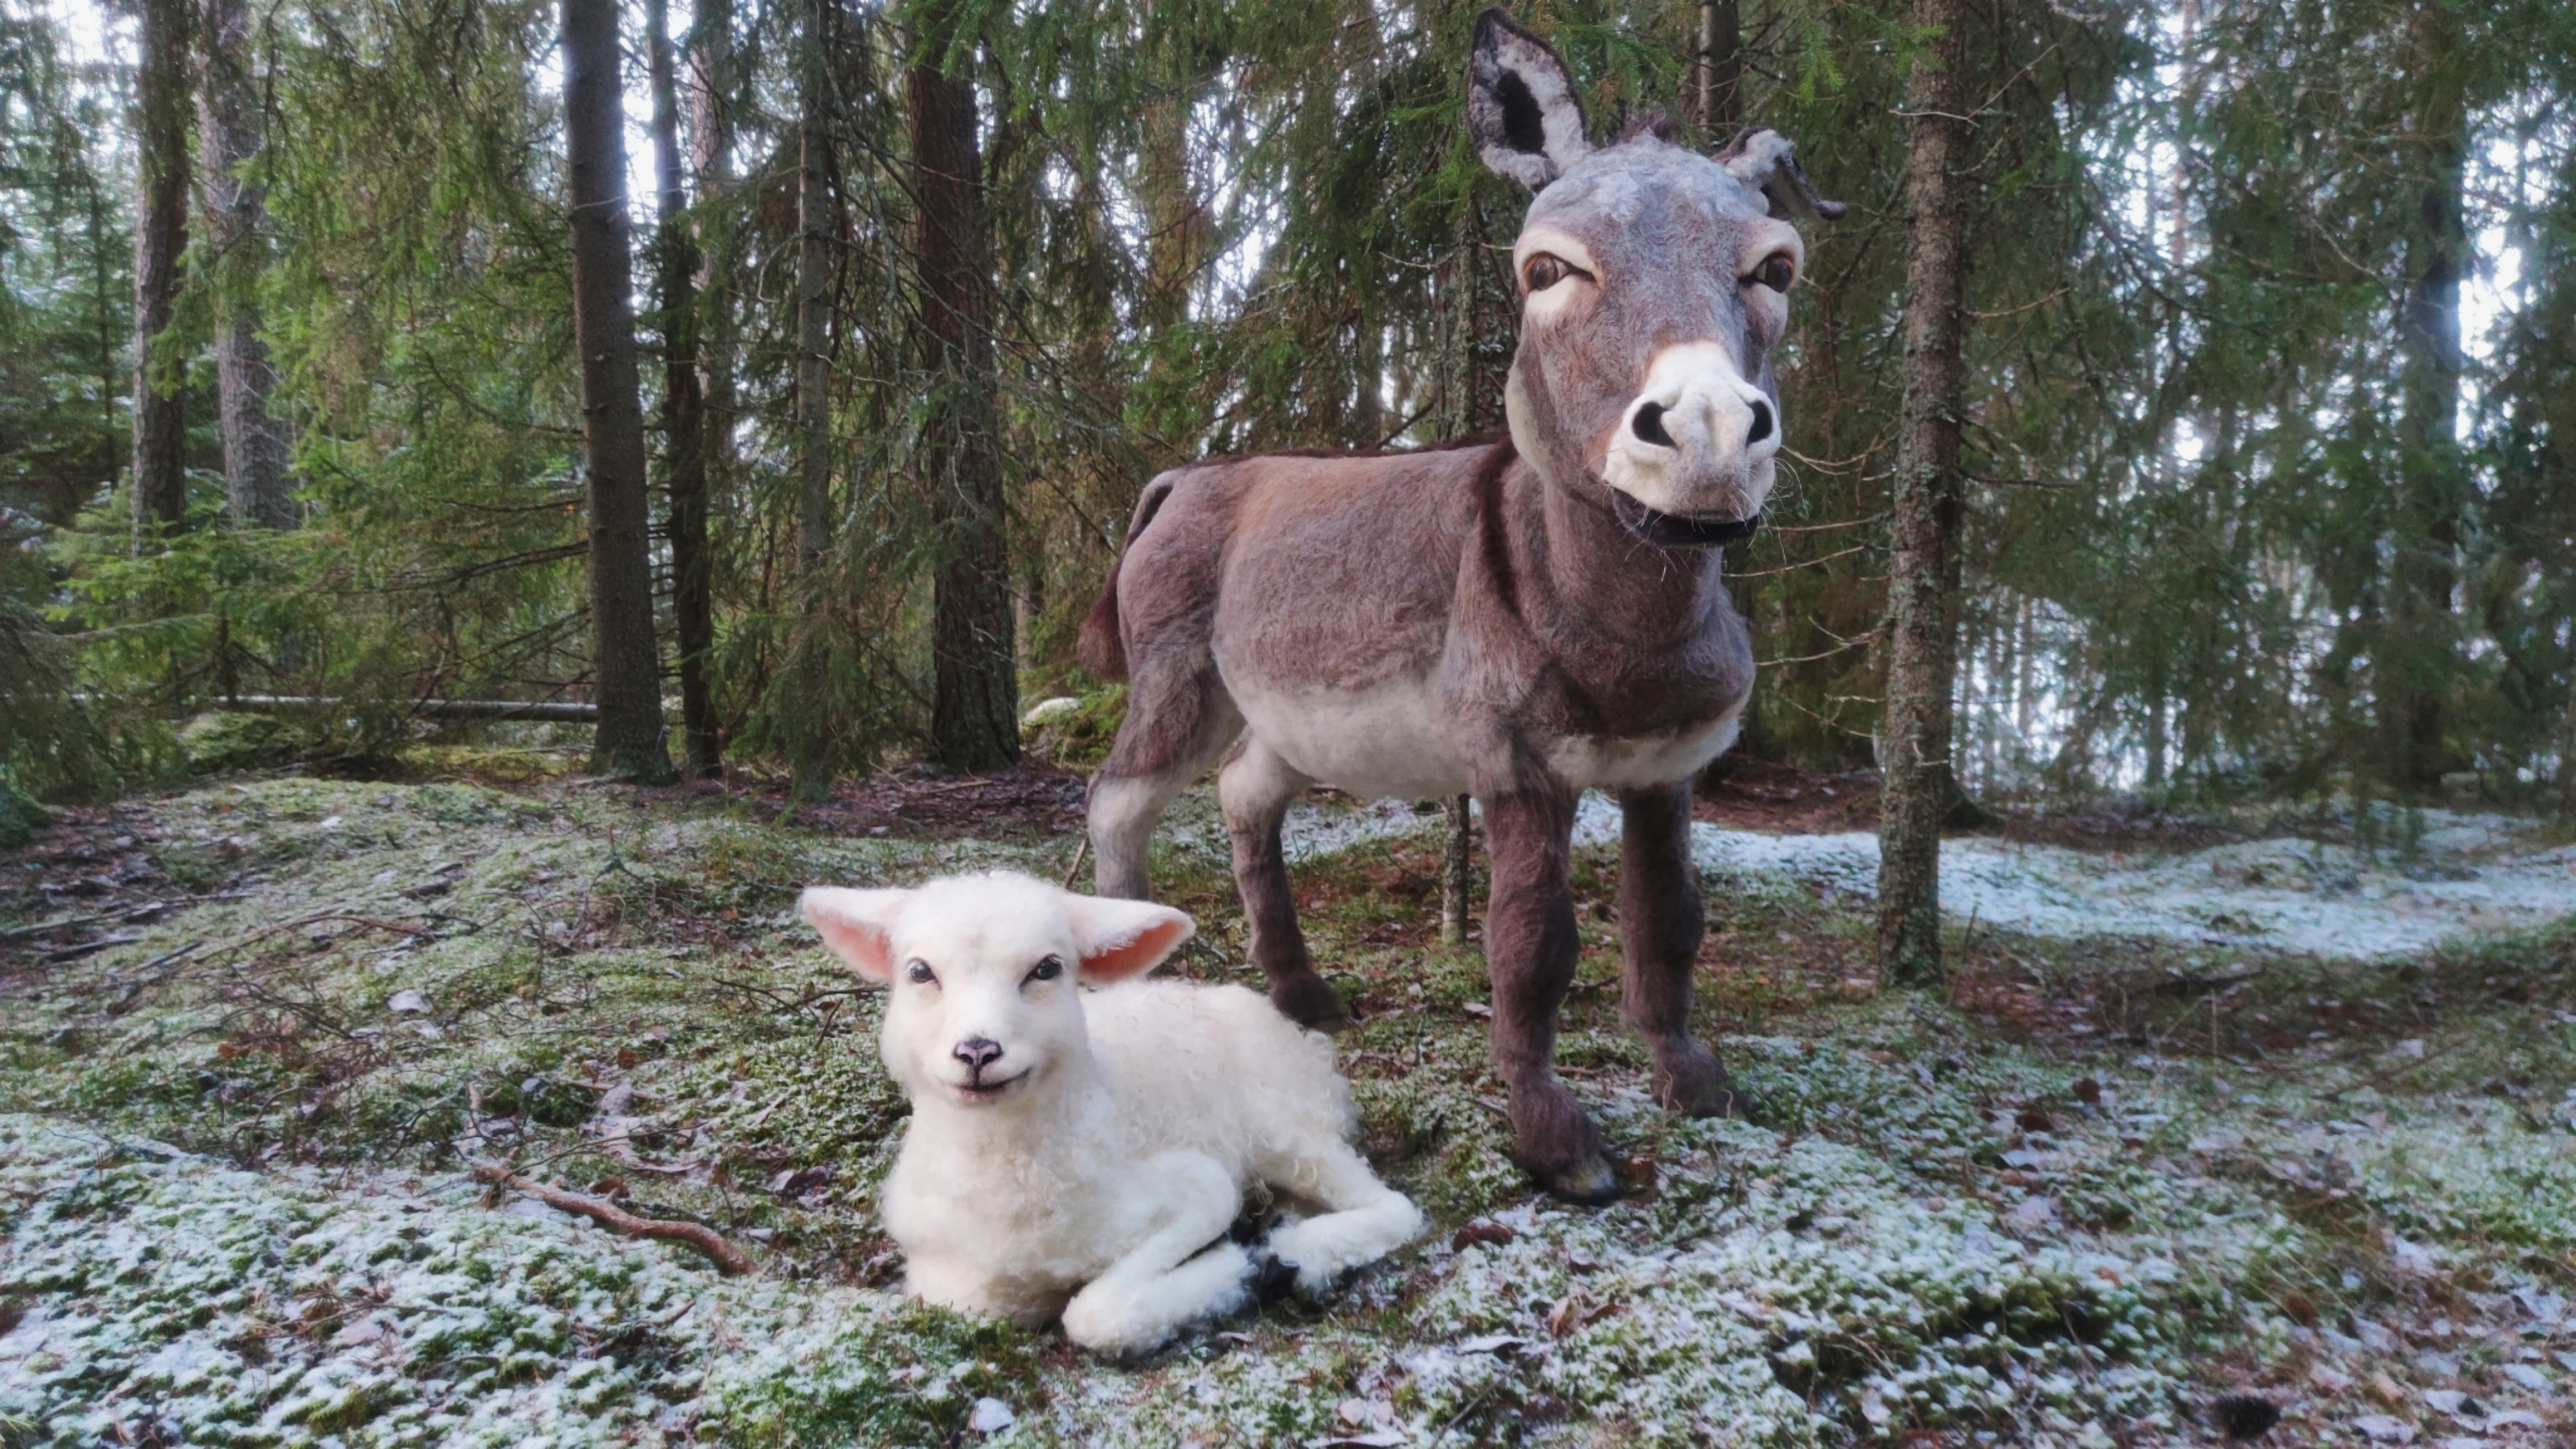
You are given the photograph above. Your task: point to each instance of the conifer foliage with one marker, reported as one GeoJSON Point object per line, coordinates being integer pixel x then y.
{"type": "Point", "coordinates": [2227, 451]}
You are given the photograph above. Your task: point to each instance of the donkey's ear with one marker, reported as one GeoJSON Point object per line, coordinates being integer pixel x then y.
{"type": "Point", "coordinates": [1119, 939]}
{"type": "Point", "coordinates": [1760, 158]}
{"type": "Point", "coordinates": [1521, 106]}
{"type": "Point", "coordinates": [857, 925]}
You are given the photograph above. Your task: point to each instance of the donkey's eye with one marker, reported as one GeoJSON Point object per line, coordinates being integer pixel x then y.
{"type": "Point", "coordinates": [920, 974]}
{"type": "Point", "coordinates": [1048, 969]}
{"type": "Point", "coordinates": [1547, 269]}
{"type": "Point", "coordinates": [1776, 272]}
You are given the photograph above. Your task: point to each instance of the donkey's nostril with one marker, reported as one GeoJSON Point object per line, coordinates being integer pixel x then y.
{"type": "Point", "coordinates": [1649, 425]}
{"type": "Point", "coordinates": [1761, 424]}
{"type": "Point", "coordinates": [977, 1053]}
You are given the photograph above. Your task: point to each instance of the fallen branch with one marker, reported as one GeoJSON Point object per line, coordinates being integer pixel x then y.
{"type": "Point", "coordinates": [608, 1215]}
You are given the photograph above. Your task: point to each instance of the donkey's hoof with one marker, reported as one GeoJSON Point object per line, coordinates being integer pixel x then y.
{"type": "Point", "coordinates": [1310, 1001]}
{"type": "Point", "coordinates": [1589, 1182]}
{"type": "Point", "coordinates": [1692, 1084]}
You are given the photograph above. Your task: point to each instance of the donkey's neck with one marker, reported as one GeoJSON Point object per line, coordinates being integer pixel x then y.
{"type": "Point", "coordinates": [1618, 584]}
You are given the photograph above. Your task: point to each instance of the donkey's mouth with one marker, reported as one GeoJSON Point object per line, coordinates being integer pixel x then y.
{"type": "Point", "coordinates": [1681, 530]}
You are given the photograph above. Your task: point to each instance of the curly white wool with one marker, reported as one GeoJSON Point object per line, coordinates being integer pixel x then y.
{"type": "Point", "coordinates": [1079, 1138]}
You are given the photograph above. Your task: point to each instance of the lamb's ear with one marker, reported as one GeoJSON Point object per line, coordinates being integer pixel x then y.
{"type": "Point", "coordinates": [1761, 158]}
{"type": "Point", "coordinates": [857, 925]}
{"type": "Point", "coordinates": [1521, 104]}
{"type": "Point", "coordinates": [1119, 939]}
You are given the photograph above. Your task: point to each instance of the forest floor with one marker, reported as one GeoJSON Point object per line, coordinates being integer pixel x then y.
{"type": "Point", "coordinates": [2209, 1108]}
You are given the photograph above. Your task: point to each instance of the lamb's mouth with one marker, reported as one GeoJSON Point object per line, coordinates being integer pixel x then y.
{"type": "Point", "coordinates": [1680, 530]}
{"type": "Point", "coordinates": [982, 1091]}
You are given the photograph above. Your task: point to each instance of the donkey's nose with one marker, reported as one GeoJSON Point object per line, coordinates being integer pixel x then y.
{"type": "Point", "coordinates": [1761, 422]}
{"type": "Point", "coordinates": [977, 1053]}
{"type": "Point", "coordinates": [1648, 425]}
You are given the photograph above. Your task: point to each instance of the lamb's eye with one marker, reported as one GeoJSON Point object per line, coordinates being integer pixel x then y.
{"type": "Point", "coordinates": [1776, 272]}
{"type": "Point", "coordinates": [1048, 969]}
{"type": "Point", "coordinates": [920, 974]}
{"type": "Point", "coordinates": [1547, 269]}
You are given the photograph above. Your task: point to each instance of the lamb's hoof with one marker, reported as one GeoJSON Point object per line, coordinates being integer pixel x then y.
{"type": "Point", "coordinates": [1273, 1278]}
{"type": "Point", "coordinates": [1310, 1001]}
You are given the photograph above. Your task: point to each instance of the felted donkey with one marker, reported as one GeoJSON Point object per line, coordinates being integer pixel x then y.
{"type": "Point", "coordinates": [1521, 619]}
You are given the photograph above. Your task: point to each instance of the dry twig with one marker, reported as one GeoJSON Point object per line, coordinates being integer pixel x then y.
{"type": "Point", "coordinates": [608, 1215]}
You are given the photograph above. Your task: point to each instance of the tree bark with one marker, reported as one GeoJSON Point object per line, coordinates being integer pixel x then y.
{"type": "Point", "coordinates": [2422, 667]}
{"type": "Point", "coordinates": [631, 740]}
{"type": "Point", "coordinates": [160, 235]}
{"type": "Point", "coordinates": [975, 696]}
{"type": "Point", "coordinates": [808, 747]}
{"type": "Point", "coordinates": [1721, 67]}
{"type": "Point", "coordinates": [709, 78]}
{"type": "Point", "coordinates": [684, 466]}
{"type": "Point", "coordinates": [228, 136]}
{"type": "Point", "coordinates": [1923, 573]}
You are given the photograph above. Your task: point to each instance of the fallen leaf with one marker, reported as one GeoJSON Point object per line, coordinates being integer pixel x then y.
{"type": "Point", "coordinates": [2244, 1416]}
{"type": "Point", "coordinates": [1483, 1230]}
{"type": "Point", "coordinates": [1495, 1343]}
{"type": "Point", "coordinates": [2382, 1429]}
{"type": "Point", "coordinates": [626, 1058]}
{"type": "Point", "coordinates": [2328, 1379]}
{"type": "Point", "coordinates": [1478, 1008]}
{"type": "Point", "coordinates": [1874, 1408]}
{"type": "Point", "coordinates": [2034, 1120]}
{"type": "Point", "coordinates": [407, 1001]}
{"type": "Point", "coordinates": [2301, 1311]}
{"type": "Point", "coordinates": [608, 1187]}
{"type": "Point", "coordinates": [2088, 1091]}
{"type": "Point", "coordinates": [2525, 1375]}
{"type": "Point", "coordinates": [2387, 1389]}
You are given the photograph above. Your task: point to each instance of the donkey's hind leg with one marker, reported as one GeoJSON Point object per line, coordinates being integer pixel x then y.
{"type": "Point", "coordinates": [1660, 926]}
{"type": "Point", "coordinates": [1178, 724]}
{"type": "Point", "coordinates": [1254, 789]}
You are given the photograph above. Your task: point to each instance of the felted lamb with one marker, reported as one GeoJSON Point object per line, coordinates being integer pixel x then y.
{"type": "Point", "coordinates": [1081, 1140]}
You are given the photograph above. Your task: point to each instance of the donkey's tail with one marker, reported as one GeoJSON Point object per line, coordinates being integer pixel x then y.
{"type": "Point", "coordinates": [1100, 646]}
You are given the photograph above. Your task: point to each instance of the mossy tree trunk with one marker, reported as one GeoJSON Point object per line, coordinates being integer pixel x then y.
{"type": "Point", "coordinates": [160, 236]}
{"type": "Point", "coordinates": [631, 740]}
{"type": "Point", "coordinates": [1923, 570]}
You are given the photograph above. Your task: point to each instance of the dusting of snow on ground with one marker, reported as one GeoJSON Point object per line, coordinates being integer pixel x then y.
{"type": "Point", "coordinates": [2466, 875]}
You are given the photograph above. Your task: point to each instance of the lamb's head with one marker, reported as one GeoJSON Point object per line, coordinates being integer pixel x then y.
{"type": "Point", "coordinates": [982, 972]}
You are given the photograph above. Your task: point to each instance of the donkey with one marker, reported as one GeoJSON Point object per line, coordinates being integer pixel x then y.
{"type": "Point", "coordinates": [1521, 619]}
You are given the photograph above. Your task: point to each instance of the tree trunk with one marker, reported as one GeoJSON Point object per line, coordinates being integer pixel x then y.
{"type": "Point", "coordinates": [974, 723]}
{"type": "Point", "coordinates": [2422, 667]}
{"type": "Point", "coordinates": [1721, 68]}
{"type": "Point", "coordinates": [684, 467]}
{"type": "Point", "coordinates": [808, 747]}
{"type": "Point", "coordinates": [630, 740]}
{"type": "Point", "coordinates": [160, 235]}
{"type": "Point", "coordinates": [1923, 573]}
{"type": "Point", "coordinates": [228, 137]}
{"type": "Point", "coordinates": [709, 78]}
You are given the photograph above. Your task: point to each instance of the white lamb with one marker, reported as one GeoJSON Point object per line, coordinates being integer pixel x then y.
{"type": "Point", "coordinates": [1083, 1152]}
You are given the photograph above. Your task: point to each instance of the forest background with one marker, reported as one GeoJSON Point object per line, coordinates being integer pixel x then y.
{"type": "Point", "coordinates": [2266, 474]}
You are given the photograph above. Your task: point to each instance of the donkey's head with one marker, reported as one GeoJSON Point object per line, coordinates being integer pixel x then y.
{"type": "Point", "coordinates": [1654, 284]}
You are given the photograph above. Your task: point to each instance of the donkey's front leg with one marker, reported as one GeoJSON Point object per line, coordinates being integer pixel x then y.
{"type": "Point", "coordinates": [1529, 957]}
{"type": "Point", "coordinates": [1254, 789]}
{"type": "Point", "coordinates": [1660, 925]}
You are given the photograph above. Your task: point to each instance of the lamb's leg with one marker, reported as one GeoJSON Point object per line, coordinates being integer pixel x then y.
{"type": "Point", "coordinates": [1255, 788]}
{"type": "Point", "coordinates": [1179, 721]}
{"type": "Point", "coordinates": [1529, 957]}
{"type": "Point", "coordinates": [1365, 1219]}
{"type": "Point", "coordinates": [1165, 1283]}
{"type": "Point", "coordinates": [1660, 924]}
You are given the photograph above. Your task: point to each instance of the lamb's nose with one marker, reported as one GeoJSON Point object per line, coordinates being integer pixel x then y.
{"type": "Point", "coordinates": [977, 1053]}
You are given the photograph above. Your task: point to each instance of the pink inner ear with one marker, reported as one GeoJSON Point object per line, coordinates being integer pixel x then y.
{"type": "Point", "coordinates": [843, 919]}
{"type": "Point", "coordinates": [1118, 960]}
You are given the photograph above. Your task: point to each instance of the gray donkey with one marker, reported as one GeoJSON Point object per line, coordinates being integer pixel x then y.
{"type": "Point", "coordinates": [1520, 619]}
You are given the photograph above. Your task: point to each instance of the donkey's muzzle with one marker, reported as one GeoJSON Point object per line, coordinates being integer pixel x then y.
{"type": "Point", "coordinates": [1681, 530]}
{"type": "Point", "coordinates": [1698, 439]}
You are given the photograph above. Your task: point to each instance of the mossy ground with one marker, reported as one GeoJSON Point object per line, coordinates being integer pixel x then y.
{"type": "Point", "coordinates": [2091, 1188]}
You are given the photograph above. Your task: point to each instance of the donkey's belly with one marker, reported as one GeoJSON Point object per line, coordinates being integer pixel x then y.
{"type": "Point", "coordinates": [1376, 743]}
{"type": "Point", "coordinates": [1590, 762]}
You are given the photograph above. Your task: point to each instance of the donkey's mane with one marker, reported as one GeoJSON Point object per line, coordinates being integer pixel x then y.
{"type": "Point", "coordinates": [1653, 121]}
